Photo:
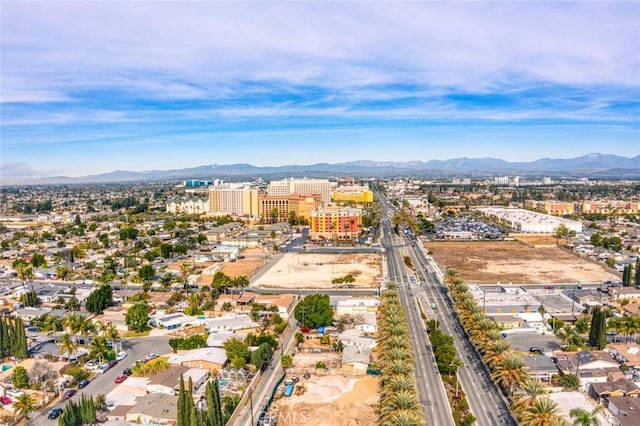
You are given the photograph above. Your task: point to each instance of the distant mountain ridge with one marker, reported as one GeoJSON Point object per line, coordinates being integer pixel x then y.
{"type": "Point", "coordinates": [594, 165]}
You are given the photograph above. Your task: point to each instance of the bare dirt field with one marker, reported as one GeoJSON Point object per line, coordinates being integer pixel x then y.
{"type": "Point", "coordinates": [516, 262]}
{"type": "Point", "coordinates": [538, 240]}
{"type": "Point", "coordinates": [311, 270]}
{"type": "Point", "coordinates": [337, 401]}
{"type": "Point", "coordinates": [252, 261]}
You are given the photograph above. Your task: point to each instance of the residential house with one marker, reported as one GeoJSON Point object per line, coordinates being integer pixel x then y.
{"type": "Point", "coordinates": [540, 367]}
{"type": "Point", "coordinates": [217, 339]}
{"type": "Point", "coordinates": [355, 358]}
{"type": "Point", "coordinates": [625, 409]}
{"type": "Point", "coordinates": [198, 377]}
{"type": "Point", "coordinates": [154, 409]}
{"type": "Point", "coordinates": [619, 293]}
{"type": "Point", "coordinates": [167, 381]}
{"type": "Point", "coordinates": [114, 315]}
{"type": "Point", "coordinates": [119, 414]}
{"type": "Point", "coordinates": [627, 354]}
{"type": "Point", "coordinates": [284, 302]}
{"type": "Point", "coordinates": [230, 323]}
{"type": "Point", "coordinates": [355, 306]}
{"type": "Point", "coordinates": [620, 387]}
{"type": "Point", "coordinates": [353, 337]}
{"type": "Point", "coordinates": [172, 321]}
{"type": "Point", "coordinates": [589, 366]}
{"type": "Point", "coordinates": [207, 358]}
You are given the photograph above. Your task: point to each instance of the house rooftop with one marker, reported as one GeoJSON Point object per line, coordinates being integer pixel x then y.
{"type": "Point", "coordinates": [157, 405]}
{"type": "Point", "coordinates": [169, 377]}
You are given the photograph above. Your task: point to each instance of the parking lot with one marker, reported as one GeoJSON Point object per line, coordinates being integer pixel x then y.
{"type": "Point", "coordinates": [524, 341]}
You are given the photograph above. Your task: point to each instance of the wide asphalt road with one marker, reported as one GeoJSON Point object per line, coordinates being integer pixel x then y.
{"type": "Point", "coordinates": [430, 387]}
{"type": "Point", "coordinates": [485, 399]}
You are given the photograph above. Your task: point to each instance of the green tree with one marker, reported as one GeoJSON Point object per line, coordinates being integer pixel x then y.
{"type": "Point", "coordinates": [236, 348]}
{"type": "Point", "coordinates": [581, 417]}
{"type": "Point", "coordinates": [261, 356]}
{"type": "Point", "coordinates": [569, 381]}
{"type": "Point", "coordinates": [137, 317]}
{"type": "Point", "coordinates": [286, 361]}
{"type": "Point", "coordinates": [147, 272]}
{"type": "Point", "coordinates": [20, 377]}
{"type": "Point", "coordinates": [598, 330]}
{"type": "Point", "coordinates": [100, 299]}
{"type": "Point", "coordinates": [67, 345]}
{"type": "Point", "coordinates": [24, 405]}
{"type": "Point", "coordinates": [214, 406]}
{"type": "Point", "coordinates": [314, 310]}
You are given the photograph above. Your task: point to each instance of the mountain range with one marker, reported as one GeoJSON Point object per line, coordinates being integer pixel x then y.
{"type": "Point", "coordinates": [589, 165]}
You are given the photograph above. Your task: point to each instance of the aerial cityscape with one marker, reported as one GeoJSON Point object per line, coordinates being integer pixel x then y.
{"type": "Point", "coordinates": [312, 213]}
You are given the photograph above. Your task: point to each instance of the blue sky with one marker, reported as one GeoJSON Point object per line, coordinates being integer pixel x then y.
{"type": "Point", "coordinates": [91, 87]}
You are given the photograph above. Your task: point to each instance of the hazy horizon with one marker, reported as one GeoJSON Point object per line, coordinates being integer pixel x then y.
{"type": "Point", "coordinates": [93, 87]}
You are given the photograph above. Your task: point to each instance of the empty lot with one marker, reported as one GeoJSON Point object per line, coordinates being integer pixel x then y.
{"type": "Point", "coordinates": [516, 262]}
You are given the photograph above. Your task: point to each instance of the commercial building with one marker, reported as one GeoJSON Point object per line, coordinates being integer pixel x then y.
{"type": "Point", "coordinates": [189, 206]}
{"type": "Point", "coordinates": [530, 222]}
{"type": "Point", "coordinates": [279, 207]}
{"type": "Point", "coordinates": [234, 201]}
{"type": "Point", "coordinates": [353, 193]}
{"type": "Point", "coordinates": [336, 222]}
{"type": "Point", "coordinates": [302, 186]}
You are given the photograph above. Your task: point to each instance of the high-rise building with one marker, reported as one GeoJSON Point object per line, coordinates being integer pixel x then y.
{"type": "Point", "coordinates": [236, 201]}
{"type": "Point", "coordinates": [278, 208]}
{"type": "Point", "coordinates": [302, 186]}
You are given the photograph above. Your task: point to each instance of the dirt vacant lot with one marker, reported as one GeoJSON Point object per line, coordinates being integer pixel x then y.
{"type": "Point", "coordinates": [331, 401]}
{"type": "Point", "coordinates": [516, 262]}
{"type": "Point", "coordinates": [310, 270]}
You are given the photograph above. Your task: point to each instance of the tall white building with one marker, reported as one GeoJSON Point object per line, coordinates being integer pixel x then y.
{"type": "Point", "coordinates": [302, 186]}
{"type": "Point", "coordinates": [235, 201]}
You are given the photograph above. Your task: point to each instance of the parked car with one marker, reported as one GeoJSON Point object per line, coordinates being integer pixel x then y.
{"type": "Point", "coordinates": [535, 349]}
{"type": "Point", "coordinates": [69, 393]}
{"type": "Point", "coordinates": [121, 355]}
{"type": "Point", "coordinates": [83, 384]}
{"type": "Point", "coordinates": [5, 400]}
{"type": "Point", "coordinates": [150, 356]}
{"type": "Point", "coordinates": [112, 363]}
{"type": "Point", "coordinates": [121, 379]}
{"type": "Point", "coordinates": [103, 368]}
{"type": "Point", "coordinates": [126, 372]}
{"type": "Point", "coordinates": [548, 287]}
{"type": "Point", "coordinates": [92, 365]}
{"type": "Point", "coordinates": [55, 413]}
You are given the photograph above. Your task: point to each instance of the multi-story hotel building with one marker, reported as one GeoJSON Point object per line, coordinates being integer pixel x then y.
{"type": "Point", "coordinates": [279, 207]}
{"type": "Point", "coordinates": [280, 188]}
{"type": "Point", "coordinates": [336, 222]}
{"type": "Point", "coordinates": [236, 201]}
{"type": "Point", "coordinates": [353, 193]}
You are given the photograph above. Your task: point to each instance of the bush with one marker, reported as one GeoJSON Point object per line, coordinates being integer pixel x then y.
{"type": "Point", "coordinates": [20, 377]}
{"type": "Point", "coordinates": [321, 365]}
{"type": "Point", "coordinates": [76, 372]}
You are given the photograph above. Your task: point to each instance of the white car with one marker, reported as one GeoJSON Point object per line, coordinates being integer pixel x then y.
{"type": "Point", "coordinates": [150, 356]}
{"type": "Point", "coordinates": [92, 365]}
{"type": "Point", "coordinates": [103, 368]}
{"type": "Point", "coordinates": [14, 392]}
{"type": "Point", "coordinates": [121, 355]}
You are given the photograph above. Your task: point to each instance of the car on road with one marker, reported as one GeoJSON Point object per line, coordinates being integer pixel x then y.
{"type": "Point", "coordinates": [121, 355]}
{"type": "Point", "coordinates": [126, 372]}
{"type": "Point", "coordinates": [548, 287]}
{"type": "Point", "coordinates": [69, 393]}
{"type": "Point", "coordinates": [535, 349]}
{"type": "Point", "coordinates": [83, 384]}
{"type": "Point", "coordinates": [5, 400]}
{"type": "Point", "coordinates": [112, 363]}
{"type": "Point", "coordinates": [55, 413]}
{"type": "Point", "coordinates": [103, 368]}
{"type": "Point", "coordinates": [150, 356]}
{"type": "Point", "coordinates": [121, 379]}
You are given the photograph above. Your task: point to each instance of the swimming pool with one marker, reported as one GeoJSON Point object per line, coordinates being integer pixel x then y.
{"type": "Point", "coordinates": [222, 382]}
{"type": "Point", "coordinates": [6, 367]}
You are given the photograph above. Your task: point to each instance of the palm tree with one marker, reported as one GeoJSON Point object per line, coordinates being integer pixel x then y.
{"type": "Point", "coordinates": [509, 373]}
{"type": "Point", "coordinates": [582, 417]}
{"type": "Point", "coordinates": [185, 270]}
{"type": "Point", "coordinates": [24, 405]}
{"type": "Point", "coordinates": [99, 348]}
{"type": "Point", "coordinates": [544, 412]}
{"type": "Point", "coordinates": [112, 333]}
{"type": "Point", "coordinates": [67, 345]}
{"type": "Point", "coordinates": [529, 392]}
{"type": "Point", "coordinates": [495, 353]}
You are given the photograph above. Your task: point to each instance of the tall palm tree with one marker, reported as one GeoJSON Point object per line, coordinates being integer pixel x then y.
{"type": "Point", "coordinates": [528, 394]}
{"type": "Point", "coordinates": [509, 373]}
{"type": "Point", "coordinates": [67, 345]}
{"type": "Point", "coordinates": [581, 417]}
{"type": "Point", "coordinates": [544, 412]}
{"type": "Point", "coordinates": [112, 333]}
{"type": "Point", "coordinates": [495, 353]}
{"type": "Point", "coordinates": [185, 270]}
{"type": "Point", "coordinates": [24, 405]}
{"type": "Point", "coordinates": [99, 348]}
